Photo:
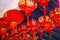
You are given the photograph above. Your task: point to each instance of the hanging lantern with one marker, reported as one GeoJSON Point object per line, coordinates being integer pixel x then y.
{"type": "Point", "coordinates": [28, 6]}
{"type": "Point", "coordinates": [13, 17]}
{"type": "Point", "coordinates": [55, 16]}
{"type": "Point", "coordinates": [46, 23]}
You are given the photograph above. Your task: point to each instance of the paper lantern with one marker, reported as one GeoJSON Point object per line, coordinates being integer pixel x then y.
{"type": "Point", "coordinates": [13, 16]}
{"type": "Point", "coordinates": [28, 6]}
{"type": "Point", "coordinates": [46, 24]}
{"type": "Point", "coordinates": [45, 21]}
{"type": "Point", "coordinates": [54, 14]}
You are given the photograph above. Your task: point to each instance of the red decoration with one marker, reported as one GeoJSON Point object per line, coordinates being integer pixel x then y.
{"type": "Point", "coordinates": [58, 23]}
{"type": "Point", "coordinates": [36, 1]}
{"type": "Point", "coordinates": [24, 31]}
{"type": "Point", "coordinates": [1, 23]}
{"type": "Point", "coordinates": [2, 26]}
{"type": "Point", "coordinates": [55, 15]}
{"type": "Point", "coordinates": [13, 27]}
{"type": "Point", "coordinates": [41, 30]}
{"type": "Point", "coordinates": [46, 23]}
{"type": "Point", "coordinates": [43, 2]}
{"type": "Point", "coordinates": [33, 25]}
{"type": "Point", "coordinates": [44, 10]}
{"type": "Point", "coordinates": [13, 16]}
{"type": "Point", "coordinates": [16, 36]}
{"type": "Point", "coordinates": [28, 6]}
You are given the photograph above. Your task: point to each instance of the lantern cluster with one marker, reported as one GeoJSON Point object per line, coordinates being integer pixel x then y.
{"type": "Point", "coordinates": [9, 29]}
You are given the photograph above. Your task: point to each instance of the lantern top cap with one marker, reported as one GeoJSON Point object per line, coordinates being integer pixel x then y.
{"type": "Point", "coordinates": [13, 23]}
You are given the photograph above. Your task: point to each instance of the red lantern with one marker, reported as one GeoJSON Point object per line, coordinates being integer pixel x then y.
{"type": "Point", "coordinates": [28, 6]}
{"type": "Point", "coordinates": [13, 17]}
{"type": "Point", "coordinates": [46, 22]}
{"type": "Point", "coordinates": [55, 15]}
